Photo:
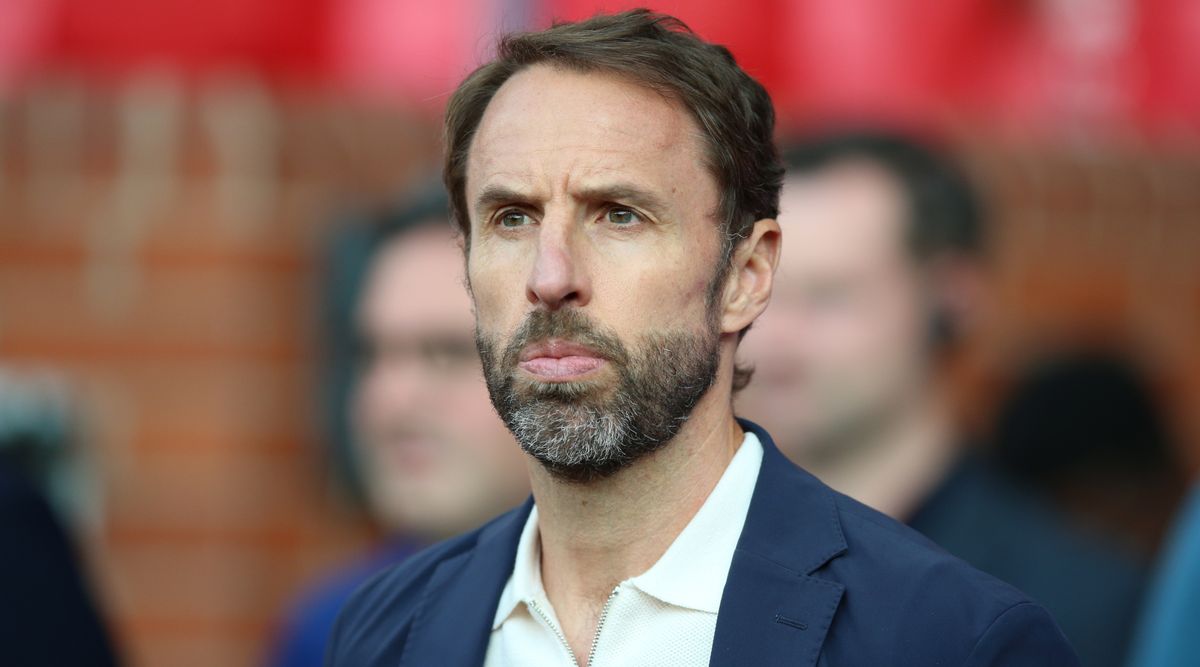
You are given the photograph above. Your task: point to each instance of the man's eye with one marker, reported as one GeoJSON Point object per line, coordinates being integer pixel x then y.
{"type": "Point", "coordinates": [513, 219]}
{"type": "Point", "coordinates": [621, 216]}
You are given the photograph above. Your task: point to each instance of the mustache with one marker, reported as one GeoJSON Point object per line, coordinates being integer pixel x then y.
{"type": "Point", "coordinates": [570, 325]}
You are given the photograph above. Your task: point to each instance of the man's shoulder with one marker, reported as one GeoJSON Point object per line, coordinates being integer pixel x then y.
{"type": "Point", "coordinates": [881, 549]}
{"type": "Point", "coordinates": [811, 527]}
{"type": "Point", "coordinates": [1092, 586]}
{"type": "Point", "coordinates": [888, 595]}
{"type": "Point", "coordinates": [394, 590]}
{"type": "Point", "coordinates": [924, 604]}
{"type": "Point", "coordinates": [401, 580]}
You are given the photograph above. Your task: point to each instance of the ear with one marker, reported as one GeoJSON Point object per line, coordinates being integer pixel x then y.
{"type": "Point", "coordinates": [751, 276]}
{"type": "Point", "coordinates": [958, 291]}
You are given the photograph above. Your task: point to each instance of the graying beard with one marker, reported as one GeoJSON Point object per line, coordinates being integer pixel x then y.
{"type": "Point", "coordinates": [575, 436]}
{"type": "Point", "coordinates": [579, 440]}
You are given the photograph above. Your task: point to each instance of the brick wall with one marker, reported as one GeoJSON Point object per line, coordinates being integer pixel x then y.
{"type": "Point", "coordinates": [157, 247]}
{"type": "Point", "coordinates": [1095, 246]}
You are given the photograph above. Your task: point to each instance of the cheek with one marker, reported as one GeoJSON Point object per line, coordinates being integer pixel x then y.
{"type": "Point", "coordinates": [369, 399]}
{"type": "Point", "coordinates": [779, 331]}
{"type": "Point", "coordinates": [899, 331]}
{"type": "Point", "coordinates": [469, 396]}
{"type": "Point", "coordinates": [497, 289]}
{"type": "Point", "coordinates": [467, 402]}
{"type": "Point", "coordinates": [857, 349]}
{"type": "Point", "coordinates": [474, 422]}
{"type": "Point", "coordinates": [871, 346]}
{"type": "Point", "coordinates": [659, 290]}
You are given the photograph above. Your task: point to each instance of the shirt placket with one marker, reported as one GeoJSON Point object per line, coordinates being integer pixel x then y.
{"type": "Point", "coordinates": [541, 611]}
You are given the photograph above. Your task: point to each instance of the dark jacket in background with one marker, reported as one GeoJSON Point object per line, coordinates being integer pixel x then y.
{"type": "Point", "coordinates": [301, 641]}
{"type": "Point", "coordinates": [1091, 588]}
{"type": "Point", "coordinates": [46, 614]}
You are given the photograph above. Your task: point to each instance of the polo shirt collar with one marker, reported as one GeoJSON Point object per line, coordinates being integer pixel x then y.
{"type": "Point", "coordinates": [691, 573]}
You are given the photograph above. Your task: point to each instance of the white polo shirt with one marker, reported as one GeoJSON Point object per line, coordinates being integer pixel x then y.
{"type": "Point", "coordinates": [665, 616]}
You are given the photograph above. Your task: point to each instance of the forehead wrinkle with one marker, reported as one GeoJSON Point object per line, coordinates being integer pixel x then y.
{"type": "Point", "coordinates": [579, 172]}
{"type": "Point", "coordinates": [667, 117]}
{"type": "Point", "coordinates": [524, 142]}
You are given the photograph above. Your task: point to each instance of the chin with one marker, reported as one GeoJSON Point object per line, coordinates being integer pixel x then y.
{"type": "Point", "coordinates": [566, 392]}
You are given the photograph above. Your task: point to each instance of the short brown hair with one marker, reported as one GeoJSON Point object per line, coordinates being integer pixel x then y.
{"type": "Point", "coordinates": [733, 111]}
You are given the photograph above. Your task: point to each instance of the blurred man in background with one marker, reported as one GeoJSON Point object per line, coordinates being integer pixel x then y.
{"type": "Point", "coordinates": [430, 454]}
{"type": "Point", "coordinates": [881, 275]}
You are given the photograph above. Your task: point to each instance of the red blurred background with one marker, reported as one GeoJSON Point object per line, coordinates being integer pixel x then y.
{"type": "Point", "coordinates": [1044, 66]}
{"type": "Point", "coordinates": [169, 171]}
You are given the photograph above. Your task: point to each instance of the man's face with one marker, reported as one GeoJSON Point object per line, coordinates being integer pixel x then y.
{"type": "Point", "coordinates": [593, 251]}
{"type": "Point", "coordinates": [844, 343]}
{"type": "Point", "coordinates": [435, 458]}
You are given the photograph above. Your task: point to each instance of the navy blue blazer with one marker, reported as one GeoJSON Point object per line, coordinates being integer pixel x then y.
{"type": "Point", "coordinates": [817, 579]}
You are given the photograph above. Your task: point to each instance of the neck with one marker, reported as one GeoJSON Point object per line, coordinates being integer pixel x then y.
{"type": "Point", "coordinates": [595, 535]}
{"type": "Point", "coordinates": [898, 464]}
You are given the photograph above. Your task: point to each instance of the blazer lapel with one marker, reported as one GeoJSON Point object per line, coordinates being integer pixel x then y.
{"type": "Point", "coordinates": [773, 611]}
{"type": "Point", "coordinates": [453, 623]}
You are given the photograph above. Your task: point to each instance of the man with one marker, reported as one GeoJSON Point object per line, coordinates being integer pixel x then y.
{"type": "Point", "coordinates": [864, 304]}
{"type": "Point", "coordinates": [616, 186]}
{"type": "Point", "coordinates": [432, 456]}
{"type": "Point", "coordinates": [881, 278]}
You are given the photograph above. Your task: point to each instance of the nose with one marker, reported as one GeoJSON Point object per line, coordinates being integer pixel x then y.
{"type": "Point", "coordinates": [559, 276]}
{"type": "Point", "coordinates": [385, 390]}
{"type": "Point", "coordinates": [392, 383]}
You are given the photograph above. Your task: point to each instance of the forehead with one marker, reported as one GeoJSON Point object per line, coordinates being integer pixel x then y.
{"type": "Point", "coordinates": [851, 214]}
{"type": "Point", "coordinates": [415, 283]}
{"type": "Point", "coordinates": [549, 127]}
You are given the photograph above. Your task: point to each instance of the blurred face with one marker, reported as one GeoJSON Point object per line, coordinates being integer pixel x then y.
{"type": "Point", "coordinates": [434, 455]}
{"type": "Point", "coordinates": [843, 345]}
{"type": "Point", "coordinates": [592, 256]}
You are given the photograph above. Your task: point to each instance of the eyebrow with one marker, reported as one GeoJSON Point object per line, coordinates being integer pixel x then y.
{"type": "Point", "coordinates": [625, 193]}
{"type": "Point", "coordinates": [495, 195]}
{"type": "Point", "coordinates": [620, 193]}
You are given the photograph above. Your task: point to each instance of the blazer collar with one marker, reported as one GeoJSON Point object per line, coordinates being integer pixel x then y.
{"type": "Point", "coordinates": [453, 621]}
{"type": "Point", "coordinates": [793, 519]}
{"type": "Point", "coordinates": [772, 610]}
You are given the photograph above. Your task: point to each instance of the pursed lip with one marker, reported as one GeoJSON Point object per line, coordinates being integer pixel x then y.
{"type": "Point", "coordinates": [559, 360]}
{"type": "Point", "coordinates": [557, 349]}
